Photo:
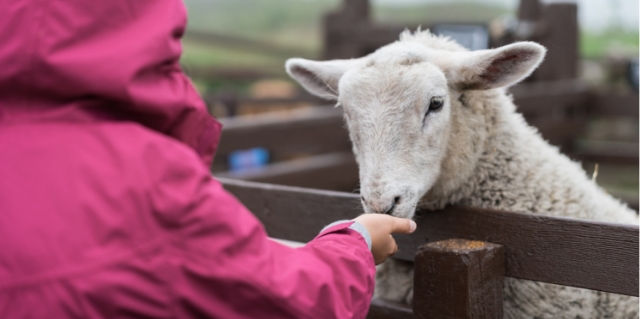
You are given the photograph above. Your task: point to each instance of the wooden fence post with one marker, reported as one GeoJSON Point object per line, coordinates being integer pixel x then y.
{"type": "Point", "coordinates": [561, 38]}
{"type": "Point", "coordinates": [459, 278]}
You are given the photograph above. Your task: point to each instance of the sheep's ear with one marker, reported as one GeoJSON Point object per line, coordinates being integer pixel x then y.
{"type": "Point", "coordinates": [488, 69]}
{"type": "Point", "coordinates": [319, 78]}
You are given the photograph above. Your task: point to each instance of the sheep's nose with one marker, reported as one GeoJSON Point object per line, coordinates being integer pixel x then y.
{"type": "Point", "coordinates": [381, 206]}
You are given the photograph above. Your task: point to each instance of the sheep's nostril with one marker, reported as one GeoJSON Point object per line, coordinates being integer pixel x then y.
{"type": "Point", "coordinates": [363, 199]}
{"type": "Point", "coordinates": [396, 201]}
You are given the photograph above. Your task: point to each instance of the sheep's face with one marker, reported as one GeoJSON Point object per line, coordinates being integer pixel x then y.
{"type": "Point", "coordinates": [398, 110]}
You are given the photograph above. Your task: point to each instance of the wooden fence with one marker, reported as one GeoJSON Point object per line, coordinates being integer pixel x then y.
{"type": "Point", "coordinates": [570, 252]}
{"type": "Point", "coordinates": [311, 149]}
{"type": "Point", "coordinates": [350, 32]}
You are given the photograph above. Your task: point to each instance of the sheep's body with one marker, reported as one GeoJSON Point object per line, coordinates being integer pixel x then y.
{"type": "Point", "coordinates": [516, 170]}
{"type": "Point", "coordinates": [472, 149]}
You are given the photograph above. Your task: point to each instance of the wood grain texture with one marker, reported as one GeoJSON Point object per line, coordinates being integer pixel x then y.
{"type": "Point", "coordinates": [294, 213]}
{"type": "Point", "coordinates": [332, 171]}
{"type": "Point", "coordinates": [459, 278]}
{"type": "Point", "coordinates": [307, 131]}
{"type": "Point", "coordinates": [571, 252]}
{"type": "Point", "coordinates": [382, 309]}
{"type": "Point", "coordinates": [564, 251]}
{"type": "Point", "coordinates": [614, 105]}
{"type": "Point", "coordinates": [561, 39]}
{"type": "Point", "coordinates": [560, 133]}
{"type": "Point", "coordinates": [544, 98]}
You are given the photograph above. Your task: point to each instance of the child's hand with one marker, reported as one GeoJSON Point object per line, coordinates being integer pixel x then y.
{"type": "Point", "coordinates": [380, 228]}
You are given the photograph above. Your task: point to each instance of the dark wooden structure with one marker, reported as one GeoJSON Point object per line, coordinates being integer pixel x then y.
{"type": "Point", "coordinates": [351, 33]}
{"type": "Point", "coordinates": [570, 252]}
{"type": "Point", "coordinates": [460, 278]}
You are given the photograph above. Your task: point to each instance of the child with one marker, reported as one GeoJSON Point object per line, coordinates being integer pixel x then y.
{"type": "Point", "coordinates": [107, 207]}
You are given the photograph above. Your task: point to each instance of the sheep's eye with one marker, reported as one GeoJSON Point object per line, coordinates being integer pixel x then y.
{"type": "Point", "coordinates": [436, 103]}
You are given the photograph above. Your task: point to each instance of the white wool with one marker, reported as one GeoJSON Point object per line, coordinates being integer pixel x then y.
{"type": "Point", "coordinates": [475, 151]}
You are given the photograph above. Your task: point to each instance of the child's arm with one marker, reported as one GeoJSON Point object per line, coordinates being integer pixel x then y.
{"type": "Point", "coordinates": [223, 265]}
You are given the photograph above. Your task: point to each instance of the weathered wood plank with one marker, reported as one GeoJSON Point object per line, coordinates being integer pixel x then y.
{"type": "Point", "coordinates": [279, 208]}
{"type": "Point", "coordinates": [457, 279]}
{"type": "Point", "coordinates": [562, 251]}
{"type": "Point", "coordinates": [382, 309]}
{"type": "Point", "coordinates": [560, 133]}
{"type": "Point", "coordinates": [333, 171]}
{"type": "Point", "coordinates": [614, 105]}
{"type": "Point", "coordinates": [549, 97]}
{"type": "Point", "coordinates": [307, 131]}
{"type": "Point", "coordinates": [561, 39]}
{"type": "Point", "coordinates": [572, 252]}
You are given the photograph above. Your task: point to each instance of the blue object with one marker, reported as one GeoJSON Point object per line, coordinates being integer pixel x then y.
{"type": "Point", "coordinates": [248, 159]}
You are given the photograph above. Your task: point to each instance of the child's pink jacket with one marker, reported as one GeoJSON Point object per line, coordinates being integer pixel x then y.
{"type": "Point", "coordinates": [107, 207]}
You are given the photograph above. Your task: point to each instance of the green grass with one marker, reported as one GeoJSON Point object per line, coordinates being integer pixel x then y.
{"type": "Point", "coordinates": [286, 22]}
{"type": "Point", "coordinates": [596, 45]}
{"type": "Point", "coordinates": [294, 23]}
{"type": "Point", "coordinates": [201, 55]}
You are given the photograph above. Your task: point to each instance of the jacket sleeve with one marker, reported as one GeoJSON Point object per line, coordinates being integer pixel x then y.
{"type": "Point", "coordinates": [224, 266]}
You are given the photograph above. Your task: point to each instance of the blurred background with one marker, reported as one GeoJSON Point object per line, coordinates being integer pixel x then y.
{"type": "Point", "coordinates": [584, 98]}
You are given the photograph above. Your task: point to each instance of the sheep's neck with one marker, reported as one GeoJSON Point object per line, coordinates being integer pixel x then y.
{"type": "Point", "coordinates": [517, 170]}
{"type": "Point", "coordinates": [482, 152]}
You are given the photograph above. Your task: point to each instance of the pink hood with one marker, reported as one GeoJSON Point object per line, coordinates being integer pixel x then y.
{"type": "Point", "coordinates": [70, 61]}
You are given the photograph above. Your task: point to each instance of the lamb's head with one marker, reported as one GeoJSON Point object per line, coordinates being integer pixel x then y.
{"type": "Point", "coordinates": [401, 105]}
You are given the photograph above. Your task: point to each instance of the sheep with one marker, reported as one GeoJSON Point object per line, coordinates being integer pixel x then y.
{"type": "Point", "coordinates": [431, 125]}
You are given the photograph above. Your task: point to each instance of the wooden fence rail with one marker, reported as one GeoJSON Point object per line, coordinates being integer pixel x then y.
{"type": "Point", "coordinates": [336, 171]}
{"type": "Point", "coordinates": [564, 251]}
{"type": "Point", "coordinates": [315, 131]}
